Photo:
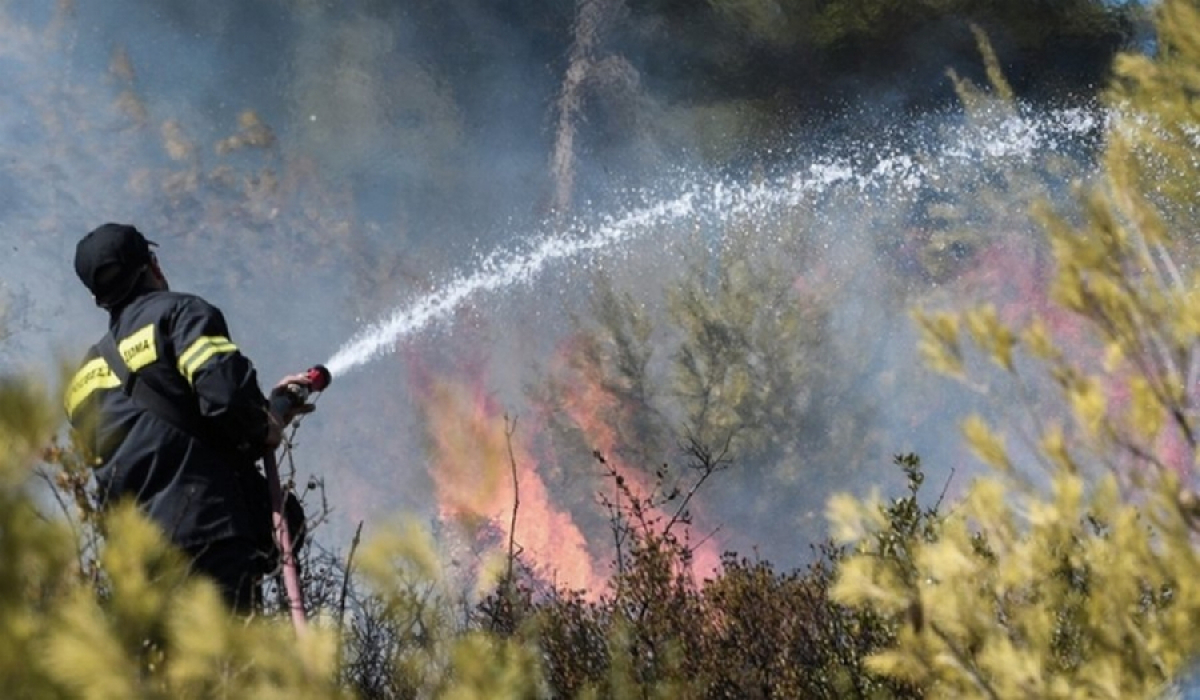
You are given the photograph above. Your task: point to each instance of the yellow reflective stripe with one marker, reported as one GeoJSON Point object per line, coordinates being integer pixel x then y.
{"type": "Point", "coordinates": [140, 348]}
{"type": "Point", "coordinates": [187, 358]}
{"type": "Point", "coordinates": [200, 351]}
{"type": "Point", "coordinates": [204, 356]}
{"type": "Point", "coordinates": [93, 376]}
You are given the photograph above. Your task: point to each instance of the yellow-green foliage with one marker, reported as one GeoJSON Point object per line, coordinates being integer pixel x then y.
{"type": "Point", "coordinates": [1085, 586]}
{"type": "Point", "coordinates": [1154, 149]}
{"type": "Point", "coordinates": [35, 556]}
{"type": "Point", "coordinates": [436, 658]}
{"type": "Point", "coordinates": [1074, 594]}
{"type": "Point", "coordinates": [151, 630]}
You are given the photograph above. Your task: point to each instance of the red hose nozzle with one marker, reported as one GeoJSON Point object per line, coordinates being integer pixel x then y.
{"type": "Point", "coordinates": [291, 396]}
{"type": "Point", "coordinates": [319, 376]}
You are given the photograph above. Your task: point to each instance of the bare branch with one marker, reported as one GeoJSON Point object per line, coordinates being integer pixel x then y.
{"type": "Point", "coordinates": [346, 576]}
{"type": "Point", "coordinates": [510, 427]}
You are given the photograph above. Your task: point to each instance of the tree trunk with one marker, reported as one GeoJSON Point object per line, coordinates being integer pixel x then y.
{"type": "Point", "coordinates": [591, 19]}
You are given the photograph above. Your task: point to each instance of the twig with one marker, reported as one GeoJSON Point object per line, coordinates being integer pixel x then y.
{"type": "Point", "coordinates": [346, 577]}
{"type": "Point", "coordinates": [510, 427]}
{"type": "Point", "coordinates": [945, 488]}
{"type": "Point", "coordinates": [700, 542]}
{"type": "Point", "coordinates": [77, 524]}
{"type": "Point", "coordinates": [709, 465]}
{"type": "Point", "coordinates": [615, 516]}
{"type": "Point", "coordinates": [965, 663]}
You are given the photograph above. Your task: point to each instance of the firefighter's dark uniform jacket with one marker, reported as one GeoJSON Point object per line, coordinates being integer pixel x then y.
{"type": "Point", "coordinates": [194, 482]}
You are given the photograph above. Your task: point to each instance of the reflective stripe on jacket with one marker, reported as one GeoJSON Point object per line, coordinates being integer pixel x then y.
{"type": "Point", "coordinates": [191, 482]}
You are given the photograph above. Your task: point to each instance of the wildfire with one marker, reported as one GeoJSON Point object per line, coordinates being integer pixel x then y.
{"type": "Point", "coordinates": [599, 414]}
{"type": "Point", "coordinates": [474, 455]}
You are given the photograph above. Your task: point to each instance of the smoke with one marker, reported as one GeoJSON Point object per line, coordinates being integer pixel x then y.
{"type": "Point", "coordinates": [396, 214]}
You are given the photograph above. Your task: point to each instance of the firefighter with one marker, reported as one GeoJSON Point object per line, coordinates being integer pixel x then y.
{"type": "Point", "coordinates": [173, 416]}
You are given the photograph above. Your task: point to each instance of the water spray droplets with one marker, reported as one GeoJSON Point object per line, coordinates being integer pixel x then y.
{"type": "Point", "coordinates": [865, 169]}
{"type": "Point", "coordinates": [499, 270]}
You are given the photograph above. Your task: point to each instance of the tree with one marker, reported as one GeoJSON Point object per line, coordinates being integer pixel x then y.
{"type": "Point", "coordinates": [734, 349]}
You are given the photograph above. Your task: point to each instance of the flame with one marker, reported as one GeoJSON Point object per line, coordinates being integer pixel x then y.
{"type": "Point", "coordinates": [600, 415]}
{"type": "Point", "coordinates": [474, 452]}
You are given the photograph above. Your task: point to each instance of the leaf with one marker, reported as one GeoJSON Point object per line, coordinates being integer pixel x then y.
{"type": "Point", "coordinates": [988, 446]}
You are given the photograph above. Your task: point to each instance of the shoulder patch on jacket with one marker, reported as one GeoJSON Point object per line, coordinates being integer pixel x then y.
{"type": "Point", "coordinates": [140, 348]}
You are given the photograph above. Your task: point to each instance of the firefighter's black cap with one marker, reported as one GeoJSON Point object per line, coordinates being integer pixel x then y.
{"type": "Point", "coordinates": [109, 261]}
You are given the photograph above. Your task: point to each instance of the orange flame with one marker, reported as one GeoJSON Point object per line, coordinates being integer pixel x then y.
{"type": "Point", "coordinates": [472, 468]}
{"type": "Point", "coordinates": [599, 413]}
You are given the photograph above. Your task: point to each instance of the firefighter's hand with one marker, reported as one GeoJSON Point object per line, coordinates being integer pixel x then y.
{"type": "Point", "coordinates": [281, 387]}
{"type": "Point", "coordinates": [275, 422]}
{"type": "Point", "coordinates": [301, 379]}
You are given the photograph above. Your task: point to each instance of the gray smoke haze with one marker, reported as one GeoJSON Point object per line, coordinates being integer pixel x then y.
{"type": "Point", "coordinates": [111, 112]}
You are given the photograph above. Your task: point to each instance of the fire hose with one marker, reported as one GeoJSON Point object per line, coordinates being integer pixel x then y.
{"type": "Point", "coordinates": [284, 401]}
